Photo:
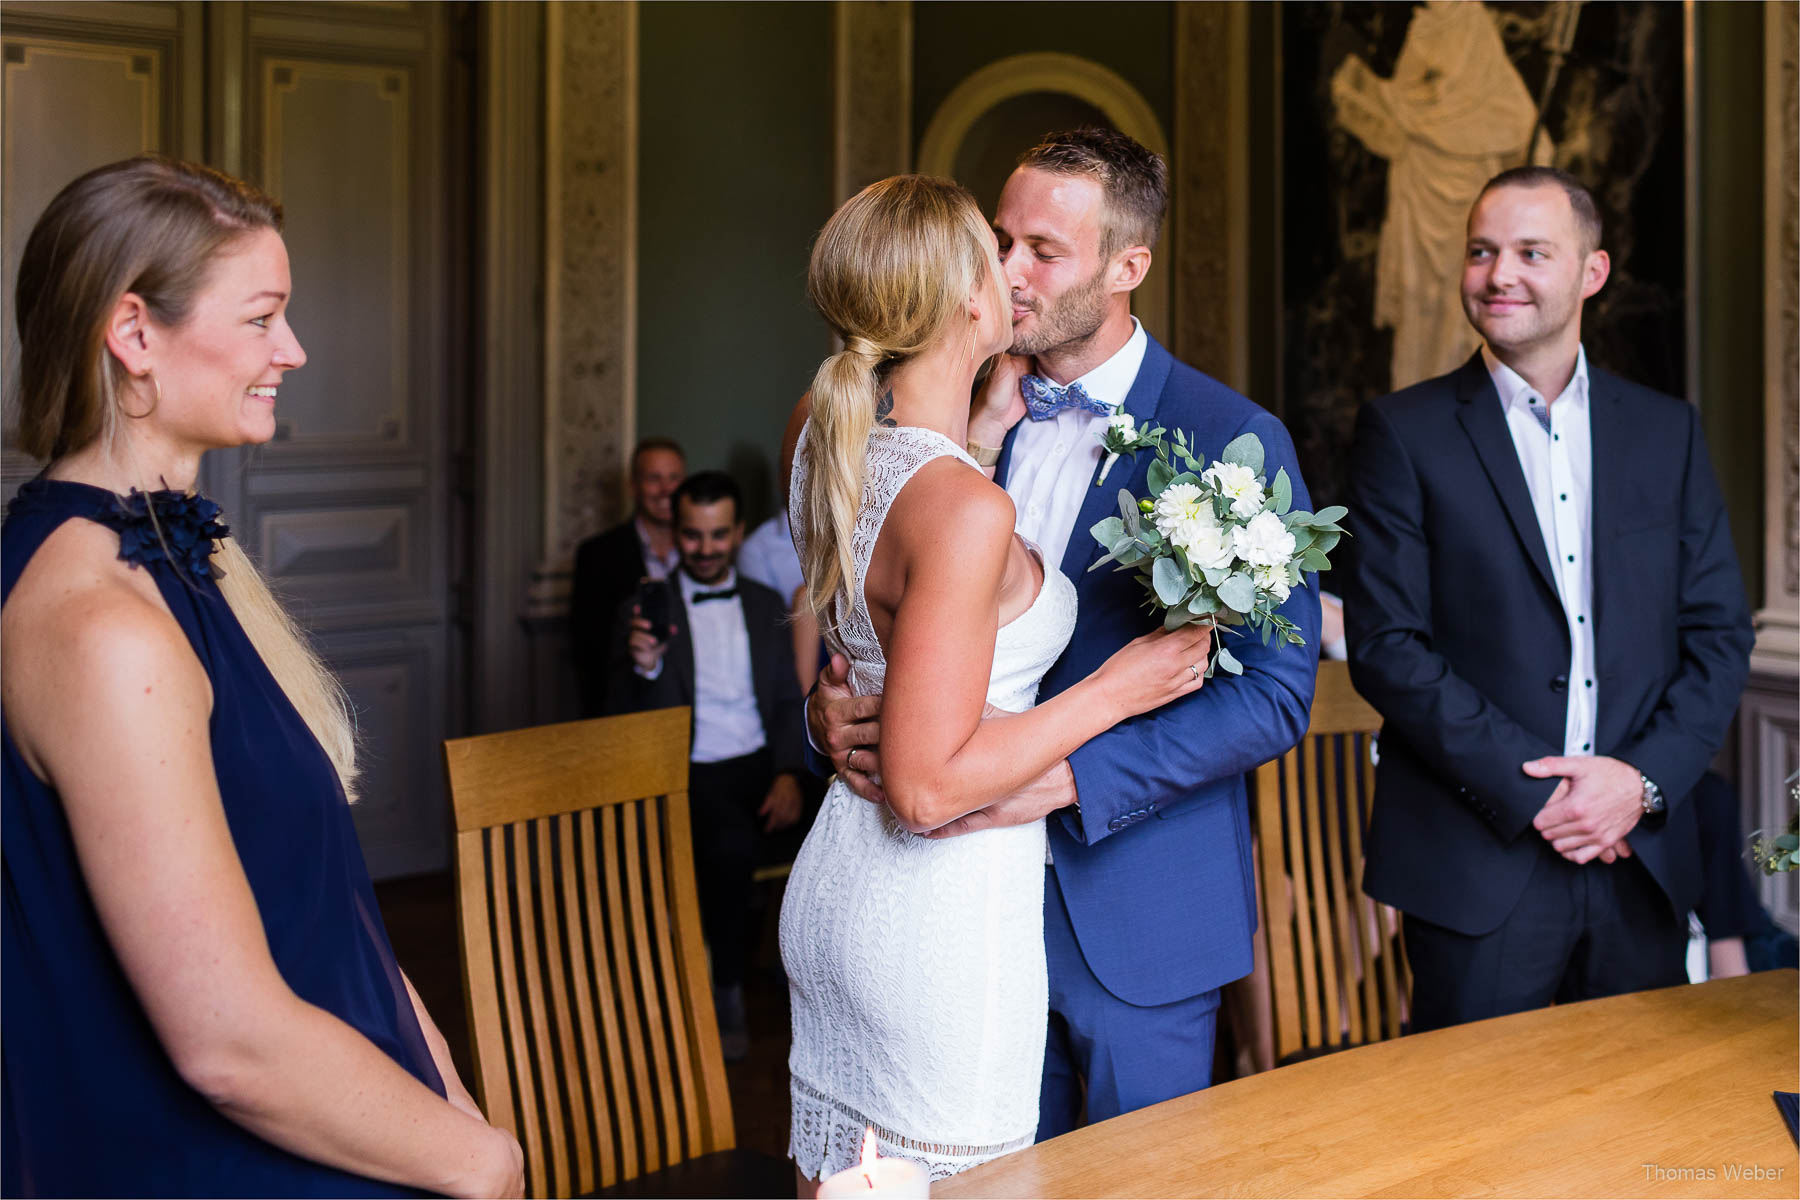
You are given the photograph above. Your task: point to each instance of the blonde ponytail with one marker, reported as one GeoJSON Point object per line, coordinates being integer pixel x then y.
{"type": "Point", "coordinates": [309, 685]}
{"type": "Point", "coordinates": [844, 394]}
{"type": "Point", "coordinates": [890, 270]}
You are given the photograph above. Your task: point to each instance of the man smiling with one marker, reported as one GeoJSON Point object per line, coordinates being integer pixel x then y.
{"type": "Point", "coordinates": [1545, 607]}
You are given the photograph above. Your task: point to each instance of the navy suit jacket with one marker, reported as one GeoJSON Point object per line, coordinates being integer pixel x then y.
{"type": "Point", "coordinates": [1458, 638]}
{"type": "Point", "coordinates": [1154, 864]}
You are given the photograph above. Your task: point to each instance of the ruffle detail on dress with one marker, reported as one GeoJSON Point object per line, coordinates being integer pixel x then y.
{"type": "Point", "coordinates": [182, 532]}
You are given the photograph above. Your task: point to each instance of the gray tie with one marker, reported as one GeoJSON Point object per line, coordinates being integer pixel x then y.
{"type": "Point", "coordinates": [1542, 413]}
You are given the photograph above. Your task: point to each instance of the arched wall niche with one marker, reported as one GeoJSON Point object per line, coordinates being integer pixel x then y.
{"type": "Point", "coordinates": [999, 88]}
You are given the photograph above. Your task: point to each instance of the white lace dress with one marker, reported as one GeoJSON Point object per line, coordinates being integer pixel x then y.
{"type": "Point", "coordinates": [916, 967]}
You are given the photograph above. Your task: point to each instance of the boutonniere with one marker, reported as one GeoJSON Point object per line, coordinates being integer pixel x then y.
{"type": "Point", "coordinates": [1120, 435]}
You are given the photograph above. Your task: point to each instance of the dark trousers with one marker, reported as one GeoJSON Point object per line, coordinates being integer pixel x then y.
{"type": "Point", "coordinates": [1104, 1056]}
{"type": "Point", "coordinates": [1577, 933]}
{"type": "Point", "coordinates": [723, 798]}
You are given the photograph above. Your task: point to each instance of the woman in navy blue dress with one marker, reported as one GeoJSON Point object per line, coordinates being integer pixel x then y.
{"type": "Point", "coordinates": [198, 993]}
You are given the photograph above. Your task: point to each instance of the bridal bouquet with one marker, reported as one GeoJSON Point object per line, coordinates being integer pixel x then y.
{"type": "Point", "coordinates": [1213, 542]}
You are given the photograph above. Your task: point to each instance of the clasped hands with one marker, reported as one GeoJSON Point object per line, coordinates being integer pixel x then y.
{"type": "Point", "coordinates": [1598, 802]}
{"type": "Point", "coordinates": [847, 727]}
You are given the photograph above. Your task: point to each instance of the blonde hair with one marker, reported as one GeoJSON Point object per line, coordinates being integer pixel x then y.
{"type": "Point", "coordinates": [891, 269]}
{"type": "Point", "coordinates": [151, 226]}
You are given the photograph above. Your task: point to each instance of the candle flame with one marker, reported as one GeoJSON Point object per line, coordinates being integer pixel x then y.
{"type": "Point", "coordinates": [869, 1154]}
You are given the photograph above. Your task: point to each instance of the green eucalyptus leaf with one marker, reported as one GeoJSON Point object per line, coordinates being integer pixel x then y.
{"type": "Point", "coordinates": [1238, 592]}
{"type": "Point", "coordinates": [1314, 560]}
{"type": "Point", "coordinates": [1176, 617]}
{"type": "Point", "coordinates": [1108, 530]}
{"type": "Point", "coordinates": [1170, 581]}
{"type": "Point", "coordinates": [1128, 508]}
{"type": "Point", "coordinates": [1216, 575]}
{"type": "Point", "coordinates": [1283, 488]}
{"type": "Point", "coordinates": [1246, 450]}
{"type": "Point", "coordinates": [1324, 540]}
{"type": "Point", "coordinates": [1227, 661]}
{"type": "Point", "coordinates": [1203, 602]}
{"type": "Point", "coordinates": [1159, 476]}
{"type": "Point", "coordinates": [1327, 515]}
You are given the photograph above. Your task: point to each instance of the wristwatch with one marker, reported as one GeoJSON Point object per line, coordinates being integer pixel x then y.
{"type": "Point", "coordinates": [1653, 797]}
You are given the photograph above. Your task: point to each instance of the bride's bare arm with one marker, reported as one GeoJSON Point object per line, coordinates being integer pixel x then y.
{"type": "Point", "coordinates": [945, 546]}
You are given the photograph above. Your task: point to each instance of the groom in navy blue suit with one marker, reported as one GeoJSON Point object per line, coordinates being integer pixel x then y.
{"type": "Point", "coordinates": [1149, 903]}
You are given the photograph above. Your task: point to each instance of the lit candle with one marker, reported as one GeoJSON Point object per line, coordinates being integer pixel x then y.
{"type": "Point", "coordinates": [892, 1178]}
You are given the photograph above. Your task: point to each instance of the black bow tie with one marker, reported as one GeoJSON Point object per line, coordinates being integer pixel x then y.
{"type": "Point", "coordinates": [721, 594]}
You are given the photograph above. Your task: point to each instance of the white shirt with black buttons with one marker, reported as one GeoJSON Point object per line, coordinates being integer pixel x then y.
{"type": "Point", "coordinates": [1555, 450]}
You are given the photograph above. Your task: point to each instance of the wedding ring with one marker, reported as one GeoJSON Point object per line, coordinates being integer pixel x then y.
{"type": "Point", "coordinates": [850, 758]}
{"type": "Point", "coordinates": [1195, 668]}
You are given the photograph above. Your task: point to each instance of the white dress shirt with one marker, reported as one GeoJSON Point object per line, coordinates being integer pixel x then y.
{"type": "Point", "coordinates": [768, 556]}
{"type": "Point", "coordinates": [656, 566]}
{"type": "Point", "coordinates": [727, 723]}
{"type": "Point", "coordinates": [1559, 471]}
{"type": "Point", "coordinates": [1053, 462]}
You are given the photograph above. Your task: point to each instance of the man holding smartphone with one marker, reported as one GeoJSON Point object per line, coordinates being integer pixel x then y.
{"type": "Point", "coordinates": [717, 642]}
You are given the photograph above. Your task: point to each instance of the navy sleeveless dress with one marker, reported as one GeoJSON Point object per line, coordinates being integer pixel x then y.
{"type": "Point", "coordinates": [91, 1104]}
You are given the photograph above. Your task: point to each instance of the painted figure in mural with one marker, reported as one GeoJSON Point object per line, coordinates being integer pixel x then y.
{"type": "Point", "coordinates": [1454, 114]}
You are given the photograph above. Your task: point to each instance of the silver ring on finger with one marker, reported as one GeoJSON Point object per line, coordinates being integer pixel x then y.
{"type": "Point", "coordinates": [1195, 668]}
{"type": "Point", "coordinates": [850, 758]}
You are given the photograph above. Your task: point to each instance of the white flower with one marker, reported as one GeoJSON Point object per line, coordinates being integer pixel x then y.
{"type": "Point", "coordinates": [1274, 580]}
{"type": "Point", "coordinates": [1179, 504]}
{"type": "Point", "coordinates": [1238, 484]}
{"type": "Point", "coordinates": [1124, 424]}
{"type": "Point", "coordinates": [1264, 541]}
{"type": "Point", "coordinates": [1207, 544]}
{"type": "Point", "coordinates": [1184, 515]}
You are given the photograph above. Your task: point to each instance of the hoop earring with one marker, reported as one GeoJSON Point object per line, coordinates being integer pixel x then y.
{"type": "Point", "coordinates": [155, 383]}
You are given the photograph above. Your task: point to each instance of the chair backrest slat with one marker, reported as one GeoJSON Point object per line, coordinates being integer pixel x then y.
{"type": "Point", "coordinates": [589, 1002]}
{"type": "Point", "coordinates": [1338, 973]}
{"type": "Point", "coordinates": [668, 973]}
{"type": "Point", "coordinates": [577, 1017]}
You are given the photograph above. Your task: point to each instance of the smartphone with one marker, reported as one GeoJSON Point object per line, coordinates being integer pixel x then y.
{"type": "Point", "coordinates": [656, 605]}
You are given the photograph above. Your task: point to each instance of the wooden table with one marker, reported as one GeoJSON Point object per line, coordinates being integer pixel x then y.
{"type": "Point", "coordinates": [1639, 1095]}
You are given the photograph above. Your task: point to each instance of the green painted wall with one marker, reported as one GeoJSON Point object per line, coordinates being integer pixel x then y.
{"type": "Point", "coordinates": [1729, 41]}
{"type": "Point", "coordinates": [952, 39]}
{"type": "Point", "coordinates": [734, 161]}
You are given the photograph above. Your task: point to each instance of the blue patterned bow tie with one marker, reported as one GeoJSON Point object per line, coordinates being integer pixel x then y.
{"type": "Point", "coordinates": [1044, 399]}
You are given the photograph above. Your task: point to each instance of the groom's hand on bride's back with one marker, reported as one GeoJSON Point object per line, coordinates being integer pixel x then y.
{"type": "Point", "coordinates": [845, 726]}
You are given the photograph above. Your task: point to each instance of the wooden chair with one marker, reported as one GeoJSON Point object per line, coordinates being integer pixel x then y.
{"type": "Point", "coordinates": [1337, 968]}
{"type": "Point", "coordinates": [584, 970]}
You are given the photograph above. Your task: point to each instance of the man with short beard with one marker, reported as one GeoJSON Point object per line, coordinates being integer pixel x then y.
{"type": "Point", "coordinates": [1149, 906]}
{"type": "Point", "coordinates": [1544, 605]}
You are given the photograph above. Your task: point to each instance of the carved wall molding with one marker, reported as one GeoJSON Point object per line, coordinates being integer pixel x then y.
{"type": "Point", "coordinates": [1211, 189]}
{"type": "Point", "coordinates": [1070, 75]}
{"type": "Point", "coordinates": [590, 248]}
{"type": "Point", "coordinates": [872, 46]}
{"type": "Point", "coordinates": [1778, 636]}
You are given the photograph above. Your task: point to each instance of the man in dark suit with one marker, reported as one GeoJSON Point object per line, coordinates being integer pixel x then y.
{"type": "Point", "coordinates": [609, 565]}
{"type": "Point", "coordinates": [1545, 607]}
{"type": "Point", "coordinates": [1149, 905]}
{"type": "Point", "coordinates": [726, 652]}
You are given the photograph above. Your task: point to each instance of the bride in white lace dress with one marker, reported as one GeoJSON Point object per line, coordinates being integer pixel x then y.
{"type": "Point", "coordinates": [916, 965]}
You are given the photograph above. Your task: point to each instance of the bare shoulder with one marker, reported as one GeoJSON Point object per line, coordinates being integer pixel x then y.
{"type": "Point", "coordinates": [88, 637]}
{"type": "Point", "coordinates": [947, 500]}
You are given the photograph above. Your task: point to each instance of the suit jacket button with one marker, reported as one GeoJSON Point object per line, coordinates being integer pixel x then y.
{"type": "Point", "coordinates": [1113, 824]}
{"type": "Point", "coordinates": [1560, 684]}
